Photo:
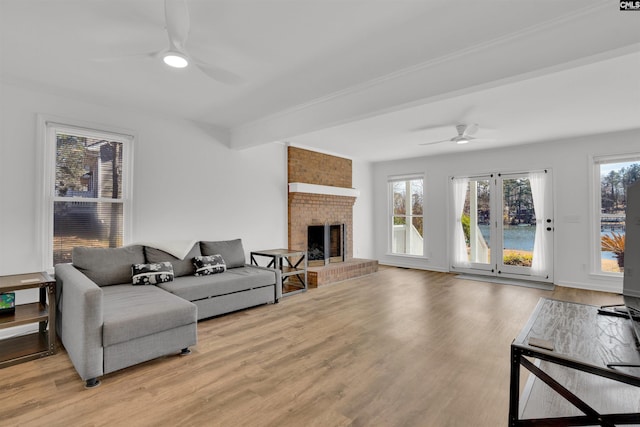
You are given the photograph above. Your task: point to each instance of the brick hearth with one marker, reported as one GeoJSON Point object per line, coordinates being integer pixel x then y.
{"type": "Point", "coordinates": [355, 267]}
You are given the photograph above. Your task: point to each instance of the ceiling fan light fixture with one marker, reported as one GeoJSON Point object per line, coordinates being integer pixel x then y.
{"type": "Point", "coordinates": [175, 59]}
{"type": "Point", "coordinates": [462, 140]}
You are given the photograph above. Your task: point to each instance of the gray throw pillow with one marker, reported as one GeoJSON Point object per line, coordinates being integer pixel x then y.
{"type": "Point", "coordinates": [231, 250]}
{"type": "Point", "coordinates": [107, 266]}
{"type": "Point", "coordinates": [181, 267]}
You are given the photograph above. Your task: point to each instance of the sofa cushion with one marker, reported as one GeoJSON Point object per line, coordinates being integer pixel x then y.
{"type": "Point", "coordinates": [209, 264]}
{"type": "Point", "coordinates": [181, 267]}
{"type": "Point", "coordinates": [151, 274]}
{"type": "Point", "coordinates": [194, 288]}
{"type": "Point", "coordinates": [107, 266]}
{"type": "Point", "coordinates": [231, 250]}
{"type": "Point", "coordinates": [131, 312]}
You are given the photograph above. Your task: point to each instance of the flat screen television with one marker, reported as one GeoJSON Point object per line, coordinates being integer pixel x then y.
{"type": "Point", "coordinates": [631, 286]}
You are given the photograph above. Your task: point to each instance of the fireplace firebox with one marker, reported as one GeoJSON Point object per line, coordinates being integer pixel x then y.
{"type": "Point", "coordinates": [326, 243]}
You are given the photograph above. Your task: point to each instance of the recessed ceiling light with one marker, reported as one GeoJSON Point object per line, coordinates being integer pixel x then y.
{"type": "Point", "coordinates": [175, 60]}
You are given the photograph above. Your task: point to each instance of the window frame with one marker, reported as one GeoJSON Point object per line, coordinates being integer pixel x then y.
{"type": "Point", "coordinates": [48, 126]}
{"type": "Point", "coordinates": [595, 162]}
{"type": "Point", "coordinates": [390, 213]}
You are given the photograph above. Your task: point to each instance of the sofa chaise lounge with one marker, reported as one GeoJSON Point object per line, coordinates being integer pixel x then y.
{"type": "Point", "coordinates": [107, 323]}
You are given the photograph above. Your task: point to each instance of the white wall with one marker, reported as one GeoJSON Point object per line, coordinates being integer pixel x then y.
{"type": "Point", "coordinates": [363, 236]}
{"type": "Point", "coordinates": [186, 184]}
{"type": "Point", "coordinates": [569, 160]}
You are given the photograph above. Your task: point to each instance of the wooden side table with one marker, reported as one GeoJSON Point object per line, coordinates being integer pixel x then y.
{"type": "Point", "coordinates": [293, 265]}
{"type": "Point", "coordinates": [38, 344]}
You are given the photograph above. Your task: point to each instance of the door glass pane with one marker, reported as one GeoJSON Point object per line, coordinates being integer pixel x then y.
{"type": "Point", "coordinates": [416, 196]}
{"type": "Point", "coordinates": [407, 220]}
{"type": "Point", "coordinates": [518, 222]}
{"type": "Point", "coordinates": [399, 198]}
{"type": "Point", "coordinates": [88, 167]}
{"type": "Point", "coordinates": [417, 218]}
{"type": "Point", "coordinates": [399, 235]}
{"type": "Point", "coordinates": [476, 220]}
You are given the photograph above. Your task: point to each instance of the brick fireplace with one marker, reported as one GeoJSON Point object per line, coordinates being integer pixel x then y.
{"type": "Point", "coordinates": [321, 194]}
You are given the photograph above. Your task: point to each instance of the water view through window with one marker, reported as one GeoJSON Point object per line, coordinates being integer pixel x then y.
{"type": "Point", "coordinates": [518, 217]}
{"type": "Point", "coordinates": [503, 224]}
{"type": "Point", "coordinates": [615, 177]}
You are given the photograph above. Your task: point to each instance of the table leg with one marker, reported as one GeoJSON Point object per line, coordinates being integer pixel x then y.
{"type": "Point", "coordinates": [43, 302]}
{"type": "Point", "coordinates": [514, 387]}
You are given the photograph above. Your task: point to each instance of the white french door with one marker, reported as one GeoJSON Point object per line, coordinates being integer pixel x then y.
{"type": "Point", "coordinates": [503, 225]}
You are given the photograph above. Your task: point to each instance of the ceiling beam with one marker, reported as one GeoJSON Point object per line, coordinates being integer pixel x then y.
{"type": "Point", "coordinates": [560, 44]}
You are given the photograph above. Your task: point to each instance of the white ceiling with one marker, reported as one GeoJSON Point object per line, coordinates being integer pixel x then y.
{"type": "Point", "coordinates": [365, 79]}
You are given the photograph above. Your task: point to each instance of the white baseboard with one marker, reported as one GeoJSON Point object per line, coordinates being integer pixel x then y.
{"type": "Point", "coordinates": [601, 287]}
{"type": "Point", "coordinates": [409, 265]}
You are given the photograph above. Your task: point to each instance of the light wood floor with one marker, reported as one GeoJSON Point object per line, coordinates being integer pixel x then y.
{"type": "Point", "coordinates": [396, 348]}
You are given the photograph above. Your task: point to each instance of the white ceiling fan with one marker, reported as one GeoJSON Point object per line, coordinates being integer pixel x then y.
{"type": "Point", "coordinates": [464, 135]}
{"type": "Point", "coordinates": [176, 55]}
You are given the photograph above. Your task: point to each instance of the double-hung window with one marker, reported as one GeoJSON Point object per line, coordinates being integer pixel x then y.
{"type": "Point", "coordinates": [87, 181]}
{"type": "Point", "coordinates": [612, 176]}
{"type": "Point", "coordinates": [406, 200]}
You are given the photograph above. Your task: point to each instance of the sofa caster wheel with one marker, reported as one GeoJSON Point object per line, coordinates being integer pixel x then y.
{"type": "Point", "coordinates": [92, 383]}
{"type": "Point", "coordinates": [185, 352]}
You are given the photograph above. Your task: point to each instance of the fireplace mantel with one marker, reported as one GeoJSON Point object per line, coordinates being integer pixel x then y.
{"type": "Point", "coordinates": [327, 190]}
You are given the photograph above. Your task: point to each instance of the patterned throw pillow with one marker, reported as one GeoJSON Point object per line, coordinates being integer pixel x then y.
{"type": "Point", "coordinates": [209, 264]}
{"type": "Point", "coordinates": [152, 274]}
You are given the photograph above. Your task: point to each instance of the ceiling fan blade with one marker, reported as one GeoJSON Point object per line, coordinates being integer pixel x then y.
{"type": "Point", "coordinates": [177, 19]}
{"type": "Point", "coordinates": [471, 129]}
{"type": "Point", "coordinates": [147, 55]}
{"type": "Point", "coordinates": [435, 142]}
{"type": "Point", "coordinates": [463, 137]}
{"type": "Point", "coordinates": [219, 74]}
{"type": "Point", "coordinates": [431, 127]}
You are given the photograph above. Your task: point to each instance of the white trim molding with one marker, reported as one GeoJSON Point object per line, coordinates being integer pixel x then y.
{"type": "Point", "coordinates": [327, 190]}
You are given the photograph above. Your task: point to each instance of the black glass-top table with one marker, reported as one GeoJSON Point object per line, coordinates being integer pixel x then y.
{"type": "Point", "coordinates": [584, 366]}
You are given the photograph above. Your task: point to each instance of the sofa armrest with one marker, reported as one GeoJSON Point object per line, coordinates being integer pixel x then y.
{"type": "Point", "coordinates": [278, 278]}
{"type": "Point", "coordinates": [81, 319]}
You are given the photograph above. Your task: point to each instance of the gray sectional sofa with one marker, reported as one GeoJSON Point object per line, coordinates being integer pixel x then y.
{"type": "Point", "coordinates": [107, 323]}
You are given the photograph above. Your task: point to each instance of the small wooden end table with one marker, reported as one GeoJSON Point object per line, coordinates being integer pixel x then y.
{"type": "Point", "coordinates": [38, 344]}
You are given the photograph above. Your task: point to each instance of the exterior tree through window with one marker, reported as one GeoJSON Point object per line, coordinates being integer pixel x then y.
{"type": "Point", "coordinates": [614, 175]}
{"type": "Point", "coordinates": [87, 182]}
{"type": "Point", "coordinates": [407, 219]}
